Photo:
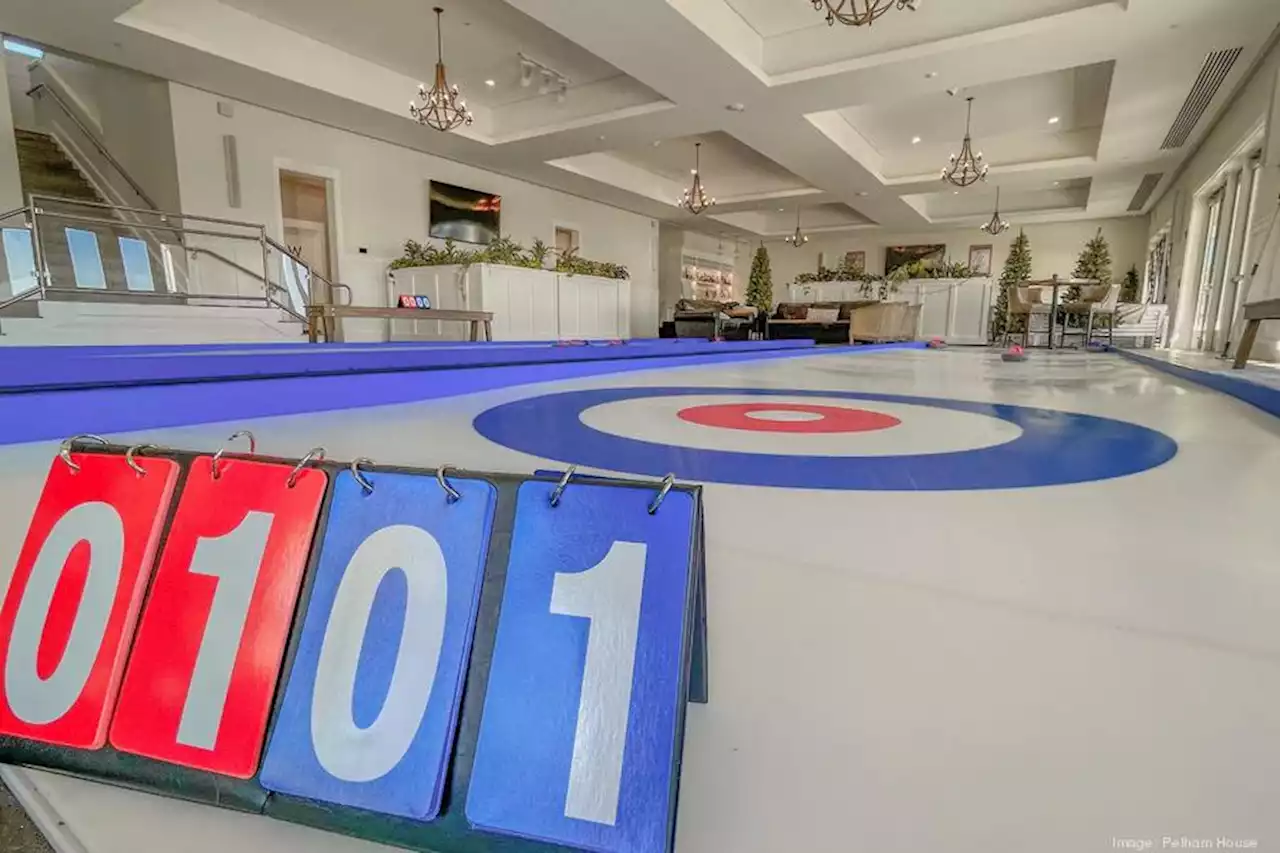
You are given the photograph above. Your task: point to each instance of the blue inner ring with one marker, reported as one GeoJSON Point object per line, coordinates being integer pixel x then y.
{"type": "Point", "coordinates": [1055, 448]}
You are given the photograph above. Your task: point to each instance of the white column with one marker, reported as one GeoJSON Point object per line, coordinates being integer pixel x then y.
{"type": "Point", "coordinates": [10, 183]}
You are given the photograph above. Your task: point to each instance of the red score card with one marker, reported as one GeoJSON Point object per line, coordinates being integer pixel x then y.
{"type": "Point", "coordinates": [203, 672]}
{"type": "Point", "coordinates": [69, 615]}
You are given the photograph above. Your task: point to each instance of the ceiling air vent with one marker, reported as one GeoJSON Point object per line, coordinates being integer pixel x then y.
{"type": "Point", "coordinates": [1216, 68]}
{"type": "Point", "coordinates": [1145, 189]}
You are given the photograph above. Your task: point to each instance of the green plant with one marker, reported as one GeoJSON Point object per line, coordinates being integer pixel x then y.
{"type": "Point", "coordinates": [1094, 265]}
{"type": "Point", "coordinates": [1017, 267]}
{"type": "Point", "coordinates": [506, 252]}
{"type": "Point", "coordinates": [760, 286]}
{"type": "Point", "coordinates": [1132, 285]}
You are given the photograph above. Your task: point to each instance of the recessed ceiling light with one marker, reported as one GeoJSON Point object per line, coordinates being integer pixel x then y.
{"type": "Point", "coordinates": [955, 192]}
{"type": "Point", "coordinates": [931, 75]}
{"type": "Point", "coordinates": [491, 83]}
{"type": "Point", "coordinates": [736, 108]}
{"type": "Point", "coordinates": [782, 210]}
{"type": "Point", "coordinates": [1054, 120]}
{"type": "Point", "coordinates": [600, 137]}
{"type": "Point", "coordinates": [862, 193]}
{"type": "Point", "coordinates": [915, 140]}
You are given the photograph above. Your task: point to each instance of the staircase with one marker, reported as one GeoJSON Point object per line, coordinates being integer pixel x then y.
{"type": "Point", "coordinates": [46, 170]}
{"type": "Point", "coordinates": [98, 323]}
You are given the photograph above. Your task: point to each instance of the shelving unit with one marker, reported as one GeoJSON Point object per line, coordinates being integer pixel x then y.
{"type": "Point", "coordinates": [707, 278]}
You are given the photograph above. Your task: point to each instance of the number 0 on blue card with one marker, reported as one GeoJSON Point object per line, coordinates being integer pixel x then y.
{"type": "Point", "coordinates": [581, 724]}
{"type": "Point", "coordinates": [372, 698]}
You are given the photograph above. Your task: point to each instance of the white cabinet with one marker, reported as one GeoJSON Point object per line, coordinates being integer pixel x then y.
{"type": "Point", "coordinates": [956, 310]}
{"type": "Point", "coordinates": [527, 304]}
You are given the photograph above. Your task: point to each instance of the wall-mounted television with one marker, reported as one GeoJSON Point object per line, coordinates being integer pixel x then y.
{"type": "Point", "coordinates": [468, 216]}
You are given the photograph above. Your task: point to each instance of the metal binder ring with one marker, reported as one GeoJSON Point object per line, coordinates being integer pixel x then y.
{"type": "Point", "coordinates": [217, 457]}
{"type": "Point", "coordinates": [64, 449]}
{"type": "Point", "coordinates": [138, 448]}
{"type": "Point", "coordinates": [451, 494]}
{"type": "Point", "coordinates": [667, 482]}
{"type": "Point", "coordinates": [560, 487]}
{"type": "Point", "coordinates": [315, 454]}
{"type": "Point", "coordinates": [365, 485]}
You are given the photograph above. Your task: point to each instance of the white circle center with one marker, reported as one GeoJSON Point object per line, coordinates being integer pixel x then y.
{"type": "Point", "coordinates": [784, 415]}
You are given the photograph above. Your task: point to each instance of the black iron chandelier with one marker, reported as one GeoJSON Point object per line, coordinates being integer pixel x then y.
{"type": "Point", "coordinates": [966, 168]}
{"type": "Point", "coordinates": [859, 12]}
{"type": "Point", "coordinates": [695, 199]}
{"type": "Point", "coordinates": [441, 107]}
{"type": "Point", "coordinates": [799, 238]}
{"type": "Point", "coordinates": [996, 225]}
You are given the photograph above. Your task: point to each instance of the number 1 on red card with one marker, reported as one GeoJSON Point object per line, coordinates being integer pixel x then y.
{"type": "Point", "coordinates": [204, 668]}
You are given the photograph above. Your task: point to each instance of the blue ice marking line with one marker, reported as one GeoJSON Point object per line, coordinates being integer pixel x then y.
{"type": "Point", "coordinates": [1237, 385]}
{"type": "Point", "coordinates": [1054, 448]}
{"type": "Point", "coordinates": [581, 730]}
{"type": "Point", "coordinates": [371, 701]}
{"type": "Point", "coordinates": [46, 415]}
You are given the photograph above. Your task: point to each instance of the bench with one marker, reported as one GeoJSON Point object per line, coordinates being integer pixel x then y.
{"type": "Point", "coordinates": [1254, 314]}
{"type": "Point", "coordinates": [321, 318]}
{"type": "Point", "coordinates": [1142, 323]}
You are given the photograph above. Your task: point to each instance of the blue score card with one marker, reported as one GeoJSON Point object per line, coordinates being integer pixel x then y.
{"type": "Point", "coordinates": [580, 732]}
{"type": "Point", "coordinates": [371, 701]}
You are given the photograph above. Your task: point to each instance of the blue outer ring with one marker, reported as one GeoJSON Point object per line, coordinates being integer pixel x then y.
{"type": "Point", "coordinates": [1055, 448]}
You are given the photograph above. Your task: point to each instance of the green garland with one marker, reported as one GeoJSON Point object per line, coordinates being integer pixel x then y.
{"type": "Point", "coordinates": [506, 252]}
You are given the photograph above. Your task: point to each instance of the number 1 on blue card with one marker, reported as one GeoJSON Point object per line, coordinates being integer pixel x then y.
{"type": "Point", "coordinates": [586, 689]}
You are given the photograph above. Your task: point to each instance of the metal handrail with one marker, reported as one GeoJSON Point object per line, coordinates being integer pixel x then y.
{"type": "Point", "coordinates": [163, 214]}
{"type": "Point", "coordinates": [21, 297]}
{"type": "Point", "coordinates": [285, 250]}
{"type": "Point", "coordinates": [14, 212]}
{"type": "Point", "coordinates": [199, 250]}
{"type": "Point", "coordinates": [144, 226]}
{"type": "Point", "coordinates": [41, 88]}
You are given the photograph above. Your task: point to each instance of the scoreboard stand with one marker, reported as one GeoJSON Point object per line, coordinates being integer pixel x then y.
{"type": "Point", "coordinates": [519, 521]}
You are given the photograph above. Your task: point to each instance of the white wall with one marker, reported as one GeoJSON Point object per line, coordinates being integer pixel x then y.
{"type": "Point", "coordinates": [10, 182]}
{"type": "Point", "coordinates": [1180, 209]}
{"type": "Point", "coordinates": [1054, 248]}
{"type": "Point", "coordinates": [18, 81]}
{"type": "Point", "coordinates": [381, 197]}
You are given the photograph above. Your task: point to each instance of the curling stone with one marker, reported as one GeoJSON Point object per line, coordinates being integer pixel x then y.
{"type": "Point", "coordinates": [1013, 353]}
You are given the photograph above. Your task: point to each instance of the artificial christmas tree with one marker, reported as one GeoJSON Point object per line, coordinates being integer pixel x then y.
{"type": "Point", "coordinates": [1094, 265]}
{"type": "Point", "coordinates": [1017, 267]}
{"type": "Point", "coordinates": [760, 287]}
{"type": "Point", "coordinates": [1132, 285]}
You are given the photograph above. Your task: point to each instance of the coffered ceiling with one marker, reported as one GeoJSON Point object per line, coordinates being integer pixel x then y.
{"type": "Point", "coordinates": [1074, 99]}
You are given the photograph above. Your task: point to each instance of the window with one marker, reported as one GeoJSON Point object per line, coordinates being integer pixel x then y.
{"type": "Point", "coordinates": [566, 240]}
{"type": "Point", "coordinates": [86, 260]}
{"type": "Point", "coordinates": [137, 264]}
{"type": "Point", "coordinates": [23, 49]}
{"type": "Point", "coordinates": [19, 259]}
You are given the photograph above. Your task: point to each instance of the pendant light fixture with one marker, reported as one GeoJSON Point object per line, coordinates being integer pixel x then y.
{"type": "Point", "coordinates": [440, 108]}
{"type": "Point", "coordinates": [799, 238]}
{"type": "Point", "coordinates": [966, 168]}
{"type": "Point", "coordinates": [996, 225]}
{"type": "Point", "coordinates": [695, 199]}
{"type": "Point", "coordinates": [859, 12]}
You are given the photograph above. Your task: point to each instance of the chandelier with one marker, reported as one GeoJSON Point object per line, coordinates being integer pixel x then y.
{"type": "Point", "coordinates": [695, 199]}
{"type": "Point", "coordinates": [966, 168]}
{"type": "Point", "coordinates": [441, 107]}
{"type": "Point", "coordinates": [799, 238]}
{"type": "Point", "coordinates": [996, 225]}
{"type": "Point", "coordinates": [860, 12]}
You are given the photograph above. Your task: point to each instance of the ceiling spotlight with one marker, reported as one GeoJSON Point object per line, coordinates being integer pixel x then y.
{"type": "Point", "coordinates": [1054, 120]}
{"type": "Point", "coordinates": [931, 75]}
{"type": "Point", "coordinates": [862, 193]}
{"type": "Point", "coordinates": [491, 83]}
{"type": "Point", "coordinates": [736, 108]}
{"type": "Point", "coordinates": [915, 140]}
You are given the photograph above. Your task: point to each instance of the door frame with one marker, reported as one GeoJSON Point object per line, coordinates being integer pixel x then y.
{"type": "Point", "coordinates": [333, 200]}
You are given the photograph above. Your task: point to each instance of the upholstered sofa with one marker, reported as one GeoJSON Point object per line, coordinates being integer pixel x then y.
{"type": "Point", "coordinates": [697, 318]}
{"type": "Point", "coordinates": [822, 322]}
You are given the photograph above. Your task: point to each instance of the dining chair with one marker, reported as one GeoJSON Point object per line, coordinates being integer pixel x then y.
{"type": "Point", "coordinates": [1025, 302]}
{"type": "Point", "coordinates": [1096, 301]}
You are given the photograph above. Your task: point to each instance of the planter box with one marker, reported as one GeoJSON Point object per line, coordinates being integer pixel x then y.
{"type": "Point", "coordinates": [527, 304]}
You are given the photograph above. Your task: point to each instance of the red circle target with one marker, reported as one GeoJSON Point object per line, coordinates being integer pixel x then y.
{"type": "Point", "coordinates": [754, 417]}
